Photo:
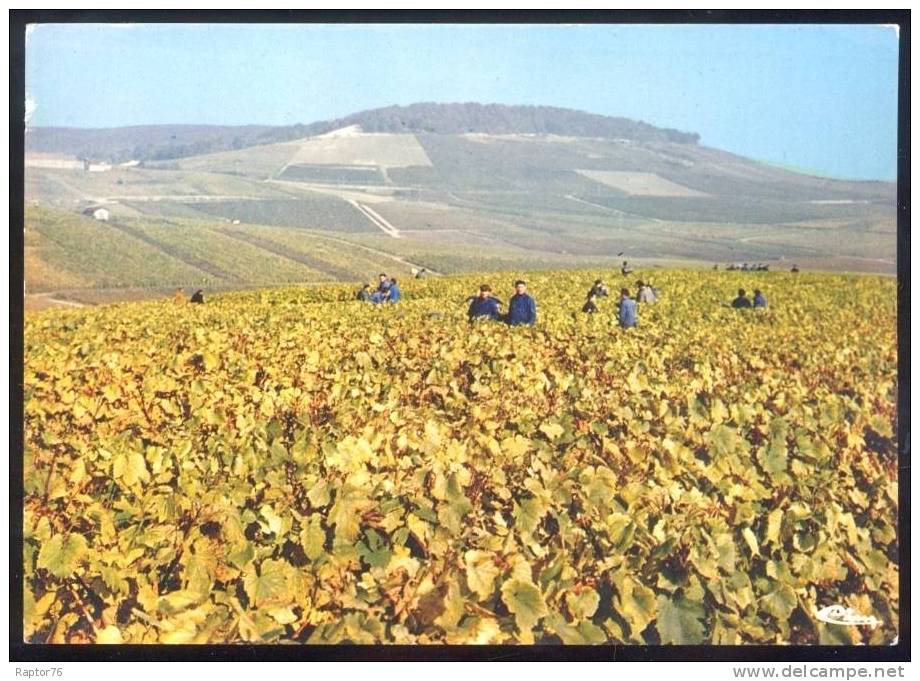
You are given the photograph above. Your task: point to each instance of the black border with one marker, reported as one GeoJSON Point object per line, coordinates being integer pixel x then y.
{"type": "Point", "coordinates": [20, 651]}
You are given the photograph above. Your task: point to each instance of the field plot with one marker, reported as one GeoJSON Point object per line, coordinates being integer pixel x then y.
{"type": "Point", "coordinates": [849, 242]}
{"type": "Point", "coordinates": [339, 259]}
{"type": "Point", "coordinates": [58, 256]}
{"type": "Point", "coordinates": [361, 149]}
{"type": "Point", "coordinates": [426, 218]}
{"type": "Point", "coordinates": [225, 258]}
{"type": "Point", "coordinates": [639, 184]}
{"type": "Point", "coordinates": [328, 174]}
{"type": "Point", "coordinates": [315, 212]}
{"type": "Point", "coordinates": [288, 465]}
{"type": "Point", "coordinates": [260, 161]}
{"type": "Point", "coordinates": [68, 189]}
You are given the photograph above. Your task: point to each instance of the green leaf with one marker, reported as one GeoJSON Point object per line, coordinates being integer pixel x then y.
{"type": "Point", "coordinates": [723, 439]}
{"type": "Point", "coordinates": [636, 604]}
{"type": "Point", "coordinates": [177, 601]}
{"type": "Point", "coordinates": [773, 456]}
{"type": "Point", "coordinates": [600, 486]}
{"type": "Point", "coordinates": [346, 517]}
{"type": "Point", "coordinates": [836, 634]}
{"type": "Point", "coordinates": [130, 468]}
{"type": "Point", "coordinates": [552, 430]}
{"type": "Point", "coordinates": [725, 548]}
{"type": "Point", "coordinates": [241, 554]}
{"type": "Point", "coordinates": [584, 633]}
{"type": "Point", "coordinates": [680, 621]}
{"type": "Point", "coordinates": [374, 550]}
{"type": "Point", "coordinates": [451, 514]}
{"type": "Point", "coordinates": [481, 572]}
{"type": "Point", "coordinates": [527, 515]}
{"type": "Point", "coordinates": [774, 525]}
{"type": "Point", "coordinates": [62, 553]}
{"type": "Point", "coordinates": [269, 587]}
{"type": "Point", "coordinates": [275, 522]}
{"type": "Point", "coordinates": [875, 560]}
{"type": "Point", "coordinates": [313, 538]}
{"type": "Point", "coordinates": [780, 602]}
{"type": "Point", "coordinates": [525, 601]}
{"type": "Point", "coordinates": [453, 608]}
{"type": "Point", "coordinates": [779, 428]}
{"type": "Point", "coordinates": [319, 494]}
{"type": "Point", "coordinates": [584, 604]}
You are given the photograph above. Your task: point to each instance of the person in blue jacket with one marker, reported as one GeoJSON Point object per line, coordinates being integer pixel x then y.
{"type": "Point", "coordinates": [483, 306]}
{"type": "Point", "coordinates": [628, 315]}
{"type": "Point", "coordinates": [759, 300]}
{"type": "Point", "coordinates": [522, 309]}
{"type": "Point", "coordinates": [393, 294]}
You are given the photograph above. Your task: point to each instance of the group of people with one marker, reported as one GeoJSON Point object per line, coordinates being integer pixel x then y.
{"type": "Point", "coordinates": [387, 291]}
{"type": "Point", "coordinates": [745, 267]}
{"type": "Point", "coordinates": [179, 297]}
{"type": "Point", "coordinates": [627, 311]}
{"type": "Point", "coordinates": [522, 308]}
{"type": "Point", "coordinates": [742, 301]}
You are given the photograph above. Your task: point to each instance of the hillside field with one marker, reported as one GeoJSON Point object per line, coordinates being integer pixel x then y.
{"type": "Point", "coordinates": [290, 465]}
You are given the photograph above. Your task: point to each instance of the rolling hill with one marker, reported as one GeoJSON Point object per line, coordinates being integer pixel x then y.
{"type": "Point", "coordinates": [459, 187]}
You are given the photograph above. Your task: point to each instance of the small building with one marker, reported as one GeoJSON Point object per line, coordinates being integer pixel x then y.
{"type": "Point", "coordinates": [97, 213]}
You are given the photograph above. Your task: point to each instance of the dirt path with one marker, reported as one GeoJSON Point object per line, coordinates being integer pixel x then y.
{"type": "Point", "coordinates": [376, 218]}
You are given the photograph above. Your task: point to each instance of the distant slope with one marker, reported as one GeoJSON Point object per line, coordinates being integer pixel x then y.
{"type": "Point", "coordinates": [151, 142]}
{"type": "Point", "coordinates": [161, 142]}
{"type": "Point", "coordinates": [460, 187]}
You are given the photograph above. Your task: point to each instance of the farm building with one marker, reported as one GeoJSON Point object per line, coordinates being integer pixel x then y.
{"type": "Point", "coordinates": [100, 167]}
{"type": "Point", "coordinates": [97, 212]}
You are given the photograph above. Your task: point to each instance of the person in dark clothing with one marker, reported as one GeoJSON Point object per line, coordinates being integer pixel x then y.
{"type": "Point", "coordinates": [741, 301]}
{"type": "Point", "coordinates": [759, 299]}
{"type": "Point", "coordinates": [598, 290]}
{"type": "Point", "coordinates": [624, 270]}
{"type": "Point", "coordinates": [483, 306]}
{"type": "Point", "coordinates": [197, 297]}
{"type": "Point", "coordinates": [382, 291]}
{"type": "Point", "coordinates": [590, 306]}
{"type": "Point", "coordinates": [364, 293]}
{"type": "Point", "coordinates": [522, 308]}
{"type": "Point", "coordinates": [795, 269]}
{"type": "Point", "coordinates": [421, 274]}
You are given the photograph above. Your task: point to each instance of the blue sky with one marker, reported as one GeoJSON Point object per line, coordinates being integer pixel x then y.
{"type": "Point", "coordinates": [815, 98]}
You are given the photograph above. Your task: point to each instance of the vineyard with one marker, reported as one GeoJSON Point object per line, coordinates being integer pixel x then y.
{"type": "Point", "coordinates": [290, 465]}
